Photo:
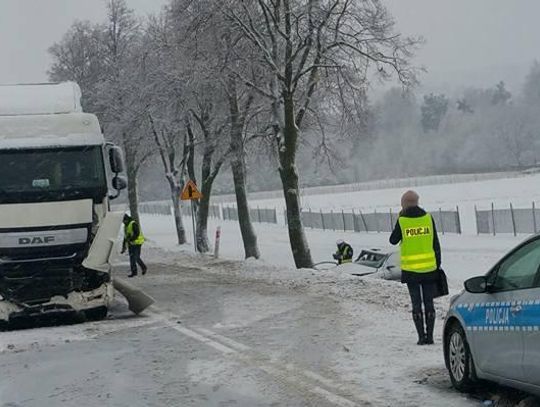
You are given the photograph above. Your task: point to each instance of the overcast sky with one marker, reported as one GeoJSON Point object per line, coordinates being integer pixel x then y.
{"type": "Point", "coordinates": [468, 42]}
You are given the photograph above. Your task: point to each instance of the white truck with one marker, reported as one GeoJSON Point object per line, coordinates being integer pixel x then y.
{"type": "Point", "coordinates": [57, 177]}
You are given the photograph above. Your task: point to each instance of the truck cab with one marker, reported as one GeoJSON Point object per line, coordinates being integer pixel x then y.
{"type": "Point", "coordinates": [57, 232]}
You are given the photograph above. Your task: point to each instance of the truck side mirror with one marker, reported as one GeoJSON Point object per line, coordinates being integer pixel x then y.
{"type": "Point", "coordinates": [119, 182]}
{"type": "Point", "coordinates": [116, 159]}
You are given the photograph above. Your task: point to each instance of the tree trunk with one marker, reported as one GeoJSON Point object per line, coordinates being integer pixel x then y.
{"type": "Point", "coordinates": [249, 236]}
{"type": "Point", "coordinates": [238, 167]}
{"type": "Point", "coordinates": [203, 207]}
{"type": "Point", "coordinates": [289, 180]}
{"type": "Point", "coordinates": [178, 220]}
{"type": "Point", "coordinates": [203, 245]}
{"type": "Point", "coordinates": [133, 198]}
{"type": "Point", "coordinates": [190, 164]}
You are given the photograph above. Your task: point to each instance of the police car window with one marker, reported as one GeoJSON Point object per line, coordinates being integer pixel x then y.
{"type": "Point", "coordinates": [520, 269]}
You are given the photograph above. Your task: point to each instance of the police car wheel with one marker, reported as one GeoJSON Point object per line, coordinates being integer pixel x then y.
{"type": "Point", "coordinates": [459, 359]}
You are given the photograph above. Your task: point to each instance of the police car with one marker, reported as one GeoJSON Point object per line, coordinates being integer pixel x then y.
{"type": "Point", "coordinates": [492, 329]}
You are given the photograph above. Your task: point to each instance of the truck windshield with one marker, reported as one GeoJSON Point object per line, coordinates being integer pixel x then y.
{"type": "Point", "coordinates": [52, 174]}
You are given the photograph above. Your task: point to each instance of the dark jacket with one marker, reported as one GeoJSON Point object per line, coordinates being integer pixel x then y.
{"type": "Point", "coordinates": [344, 252]}
{"type": "Point", "coordinates": [396, 237]}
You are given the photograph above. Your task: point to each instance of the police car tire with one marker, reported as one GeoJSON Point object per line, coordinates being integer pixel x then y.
{"type": "Point", "coordinates": [467, 381]}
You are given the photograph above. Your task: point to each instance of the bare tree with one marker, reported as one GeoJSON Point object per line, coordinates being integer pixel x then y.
{"type": "Point", "coordinates": [512, 128]}
{"type": "Point", "coordinates": [242, 100]}
{"type": "Point", "coordinates": [211, 125]}
{"type": "Point", "coordinates": [238, 111]}
{"type": "Point", "coordinates": [185, 77]}
{"type": "Point", "coordinates": [307, 46]}
{"type": "Point", "coordinates": [78, 57]}
{"type": "Point", "coordinates": [106, 60]}
{"type": "Point", "coordinates": [174, 165]}
{"type": "Point", "coordinates": [121, 96]}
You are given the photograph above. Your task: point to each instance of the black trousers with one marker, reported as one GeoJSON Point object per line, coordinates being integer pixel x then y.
{"type": "Point", "coordinates": [422, 292]}
{"type": "Point", "coordinates": [135, 258]}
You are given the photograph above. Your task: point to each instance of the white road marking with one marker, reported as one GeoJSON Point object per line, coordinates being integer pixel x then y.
{"type": "Point", "coordinates": [299, 383]}
{"type": "Point", "coordinates": [227, 341]}
{"type": "Point", "coordinates": [317, 377]}
{"type": "Point", "coordinates": [334, 398]}
{"type": "Point", "coordinates": [166, 318]}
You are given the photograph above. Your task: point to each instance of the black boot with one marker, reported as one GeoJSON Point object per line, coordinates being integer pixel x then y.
{"type": "Point", "coordinates": [418, 319]}
{"type": "Point", "coordinates": [430, 326]}
{"type": "Point", "coordinates": [132, 275]}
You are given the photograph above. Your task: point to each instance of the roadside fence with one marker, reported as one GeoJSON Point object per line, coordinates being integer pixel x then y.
{"type": "Point", "coordinates": [447, 221]}
{"type": "Point", "coordinates": [508, 220]}
{"type": "Point", "coordinates": [155, 208]}
{"type": "Point", "coordinates": [259, 215]}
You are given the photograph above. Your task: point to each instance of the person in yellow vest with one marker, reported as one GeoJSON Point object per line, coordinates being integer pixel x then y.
{"type": "Point", "coordinates": [420, 261]}
{"type": "Point", "coordinates": [344, 253]}
{"type": "Point", "coordinates": [133, 240]}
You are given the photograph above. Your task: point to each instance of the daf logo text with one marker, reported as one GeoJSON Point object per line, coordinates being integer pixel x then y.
{"type": "Point", "coordinates": [35, 240]}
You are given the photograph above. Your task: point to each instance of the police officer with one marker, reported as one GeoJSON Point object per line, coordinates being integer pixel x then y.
{"type": "Point", "coordinates": [344, 253]}
{"type": "Point", "coordinates": [420, 261]}
{"type": "Point", "coordinates": [133, 240]}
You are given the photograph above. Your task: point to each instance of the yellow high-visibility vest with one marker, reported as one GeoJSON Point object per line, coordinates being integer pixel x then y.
{"type": "Point", "coordinates": [417, 235]}
{"type": "Point", "coordinates": [128, 233]}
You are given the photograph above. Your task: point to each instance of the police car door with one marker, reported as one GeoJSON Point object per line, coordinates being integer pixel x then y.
{"type": "Point", "coordinates": [499, 330]}
{"type": "Point", "coordinates": [531, 333]}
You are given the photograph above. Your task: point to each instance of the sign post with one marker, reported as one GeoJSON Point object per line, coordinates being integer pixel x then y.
{"type": "Point", "coordinates": [191, 193]}
{"type": "Point", "coordinates": [216, 245]}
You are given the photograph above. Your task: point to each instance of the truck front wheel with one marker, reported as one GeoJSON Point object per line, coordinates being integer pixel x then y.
{"type": "Point", "coordinates": [96, 314]}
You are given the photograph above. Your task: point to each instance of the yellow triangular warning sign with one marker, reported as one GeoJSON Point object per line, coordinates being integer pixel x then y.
{"type": "Point", "coordinates": [190, 192]}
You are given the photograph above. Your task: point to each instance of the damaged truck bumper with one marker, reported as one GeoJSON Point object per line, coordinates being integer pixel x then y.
{"type": "Point", "coordinates": [73, 302]}
{"type": "Point", "coordinates": [34, 287]}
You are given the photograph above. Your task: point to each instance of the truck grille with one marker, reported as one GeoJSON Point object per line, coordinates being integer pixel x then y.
{"type": "Point", "coordinates": [35, 285]}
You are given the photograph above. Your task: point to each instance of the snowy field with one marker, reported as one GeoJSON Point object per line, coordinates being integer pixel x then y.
{"type": "Point", "coordinates": [520, 191]}
{"type": "Point", "coordinates": [463, 256]}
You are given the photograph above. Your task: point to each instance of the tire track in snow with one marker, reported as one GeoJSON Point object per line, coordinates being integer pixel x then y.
{"type": "Point", "coordinates": [22, 340]}
{"type": "Point", "coordinates": [306, 380]}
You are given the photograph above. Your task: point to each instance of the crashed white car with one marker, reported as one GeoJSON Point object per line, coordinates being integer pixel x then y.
{"type": "Point", "coordinates": [370, 262]}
